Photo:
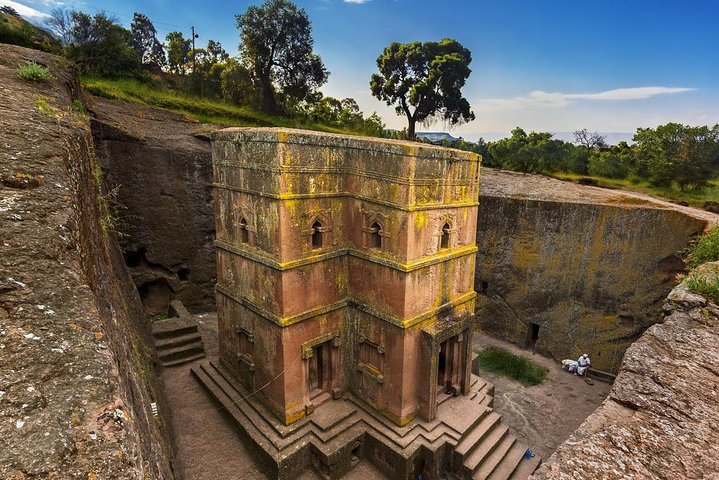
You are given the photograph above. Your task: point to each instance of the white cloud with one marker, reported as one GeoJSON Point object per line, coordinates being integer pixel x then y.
{"type": "Point", "coordinates": [542, 99]}
{"type": "Point", "coordinates": [27, 12]}
{"type": "Point", "coordinates": [356, 2]}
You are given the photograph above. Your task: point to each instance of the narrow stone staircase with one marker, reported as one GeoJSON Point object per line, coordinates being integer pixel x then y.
{"type": "Point", "coordinates": [487, 450]}
{"type": "Point", "coordinates": [177, 340]}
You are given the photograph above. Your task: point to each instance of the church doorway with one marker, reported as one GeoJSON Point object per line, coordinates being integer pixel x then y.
{"type": "Point", "coordinates": [449, 367]}
{"type": "Point", "coordinates": [320, 370]}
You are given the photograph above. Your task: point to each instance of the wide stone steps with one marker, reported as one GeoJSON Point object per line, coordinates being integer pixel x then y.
{"type": "Point", "coordinates": [486, 449]}
{"type": "Point", "coordinates": [281, 437]}
{"type": "Point", "coordinates": [177, 341]}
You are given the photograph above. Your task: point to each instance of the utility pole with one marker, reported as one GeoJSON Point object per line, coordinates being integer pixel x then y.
{"type": "Point", "coordinates": [194, 36]}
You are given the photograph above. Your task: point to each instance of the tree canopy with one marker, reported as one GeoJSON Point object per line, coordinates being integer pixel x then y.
{"type": "Point", "coordinates": [101, 47]}
{"type": "Point", "coordinates": [424, 80]}
{"type": "Point", "coordinates": [178, 50]}
{"type": "Point", "coordinates": [145, 43]}
{"type": "Point", "coordinates": [277, 48]}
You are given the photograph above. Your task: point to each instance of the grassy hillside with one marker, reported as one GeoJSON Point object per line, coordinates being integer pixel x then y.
{"type": "Point", "coordinates": [18, 31]}
{"type": "Point", "coordinates": [200, 109]}
{"type": "Point", "coordinates": [695, 198]}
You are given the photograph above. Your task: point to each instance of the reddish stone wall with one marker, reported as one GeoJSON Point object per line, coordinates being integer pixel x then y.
{"type": "Point", "coordinates": [275, 284]}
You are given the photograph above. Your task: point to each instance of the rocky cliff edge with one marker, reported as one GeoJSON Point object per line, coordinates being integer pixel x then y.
{"type": "Point", "coordinates": [661, 419]}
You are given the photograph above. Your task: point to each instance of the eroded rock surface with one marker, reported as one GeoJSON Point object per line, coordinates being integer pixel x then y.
{"type": "Point", "coordinates": [571, 269]}
{"type": "Point", "coordinates": [75, 380]}
{"type": "Point", "coordinates": [661, 419]}
{"type": "Point", "coordinates": [159, 166]}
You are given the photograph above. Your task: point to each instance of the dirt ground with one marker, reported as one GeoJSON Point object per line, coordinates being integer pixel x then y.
{"type": "Point", "coordinates": [208, 447]}
{"type": "Point", "coordinates": [542, 416]}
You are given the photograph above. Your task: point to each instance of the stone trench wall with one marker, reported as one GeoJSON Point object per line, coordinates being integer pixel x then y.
{"type": "Point", "coordinates": [76, 377]}
{"type": "Point", "coordinates": [159, 167]}
{"type": "Point", "coordinates": [661, 419]}
{"type": "Point", "coordinates": [588, 266]}
{"type": "Point", "coordinates": [591, 277]}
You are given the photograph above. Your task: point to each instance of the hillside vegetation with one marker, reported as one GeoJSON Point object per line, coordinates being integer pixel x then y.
{"type": "Point", "coordinates": [17, 31]}
{"type": "Point", "coordinates": [201, 109]}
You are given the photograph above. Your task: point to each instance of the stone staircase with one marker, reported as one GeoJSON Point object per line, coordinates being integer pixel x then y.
{"type": "Point", "coordinates": [177, 340]}
{"type": "Point", "coordinates": [487, 450]}
{"type": "Point", "coordinates": [481, 447]}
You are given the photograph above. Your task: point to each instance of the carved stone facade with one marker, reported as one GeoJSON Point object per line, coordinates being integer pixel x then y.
{"type": "Point", "coordinates": [344, 264]}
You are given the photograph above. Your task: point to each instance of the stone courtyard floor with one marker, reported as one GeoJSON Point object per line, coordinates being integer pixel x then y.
{"type": "Point", "coordinates": [207, 446]}
{"type": "Point", "coordinates": [542, 416]}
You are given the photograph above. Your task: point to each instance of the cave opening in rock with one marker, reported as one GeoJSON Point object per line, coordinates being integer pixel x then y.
{"type": "Point", "coordinates": [183, 274]}
{"type": "Point", "coordinates": [134, 259]}
{"type": "Point", "coordinates": [532, 336]}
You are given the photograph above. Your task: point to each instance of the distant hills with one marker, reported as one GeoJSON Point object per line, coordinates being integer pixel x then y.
{"type": "Point", "coordinates": [612, 138]}
{"type": "Point", "coordinates": [437, 136]}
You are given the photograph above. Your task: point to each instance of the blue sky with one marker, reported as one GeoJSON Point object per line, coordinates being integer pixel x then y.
{"type": "Point", "coordinates": [557, 65]}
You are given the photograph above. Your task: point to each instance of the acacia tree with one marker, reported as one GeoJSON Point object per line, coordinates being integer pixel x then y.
{"type": "Point", "coordinates": [277, 47]}
{"type": "Point", "coordinates": [424, 80]}
{"type": "Point", "coordinates": [593, 142]}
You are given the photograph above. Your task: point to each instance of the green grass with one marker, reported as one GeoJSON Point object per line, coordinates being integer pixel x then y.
{"type": "Point", "coordinates": [501, 362]}
{"type": "Point", "coordinates": [200, 109]}
{"type": "Point", "coordinates": [42, 105]}
{"type": "Point", "coordinates": [695, 198]}
{"type": "Point", "coordinates": [706, 249]}
{"type": "Point", "coordinates": [34, 72]}
{"type": "Point", "coordinates": [703, 286]}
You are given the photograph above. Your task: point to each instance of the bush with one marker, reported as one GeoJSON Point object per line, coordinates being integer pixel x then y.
{"type": "Point", "coordinates": [703, 286]}
{"type": "Point", "coordinates": [34, 72]}
{"type": "Point", "coordinates": [706, 249]}
{"type": "Point", "coordinates": [500, 361]}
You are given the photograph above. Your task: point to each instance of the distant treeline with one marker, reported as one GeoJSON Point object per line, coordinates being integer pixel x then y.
{"type": "Point", "coordinates": [669, 155]}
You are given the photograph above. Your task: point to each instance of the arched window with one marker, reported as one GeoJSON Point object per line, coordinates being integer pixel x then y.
{"type": "Point", "coordinates": [375, 238]}
{"type": "Point", "coordinates": [444, 239]}
{"type": "Point", "coordinates": [244, 232]}
{"type": "Point", "coordinates": [317, 234]}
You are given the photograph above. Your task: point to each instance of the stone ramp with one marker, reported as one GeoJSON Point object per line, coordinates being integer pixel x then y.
{"type": "Point", "coordinates": [177, 340]}
{"type": "Point", "coordinates": [467, 437]}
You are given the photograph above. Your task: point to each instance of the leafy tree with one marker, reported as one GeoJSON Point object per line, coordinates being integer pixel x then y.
{"type": "Point", "coordinates": [676, 153]}
{"type": "Point", "coordinates": [209, 63]}
{"type": "Point", "coordinates": [102, 47]}
{"type": "Point", "coordinates": [60, 23]}
{"type": "Point", "coordinates": [178, 51]}
{"type": "Point", "coordinates": [277, 47]}
{"type": "Point", "coordinates": [608, 164]}
{"type": "Point", "coordinates": [238, 85]}
{"type": "Point", "coordinates": [145, 42]}
{"type": "Point", "coordinates": [373, 126]}
{"type": "Point", "coordinates": [215, 52]}
{"type": "Point", "coordinates": [424, 80]}
{"type": "Point", "coordinates": [534, 152]}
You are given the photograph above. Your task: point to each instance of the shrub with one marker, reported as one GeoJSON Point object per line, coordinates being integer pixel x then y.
{"type": "Point", "coordinates": [706, 249]}
{"type": "Point", "coordinates": [500, 361]}
{"type": "Point", "coordinates": [34, 72]}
